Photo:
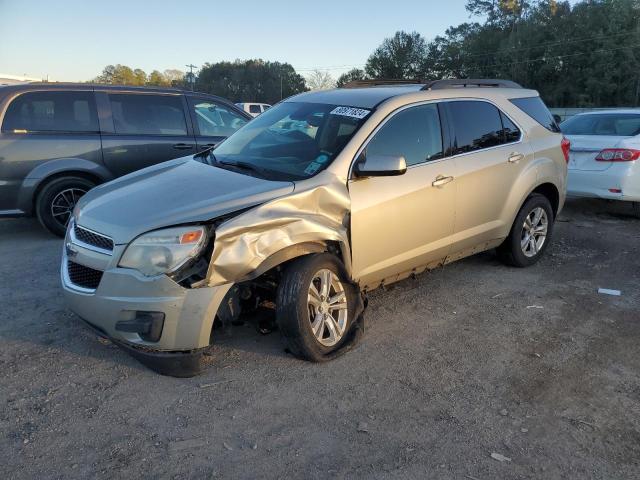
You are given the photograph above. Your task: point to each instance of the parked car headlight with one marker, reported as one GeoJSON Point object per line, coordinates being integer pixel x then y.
{"type": "Point", "coordinates": [164, 251]}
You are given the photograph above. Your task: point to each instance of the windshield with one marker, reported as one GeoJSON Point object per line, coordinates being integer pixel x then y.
{"type": "Point", "coordinates": [291, 141]}
{"type": "Point", "coordinates": [611, 124]}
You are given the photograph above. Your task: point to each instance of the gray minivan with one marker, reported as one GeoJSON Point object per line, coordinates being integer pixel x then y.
{"type": "Point", "coordinates": [57, 141]}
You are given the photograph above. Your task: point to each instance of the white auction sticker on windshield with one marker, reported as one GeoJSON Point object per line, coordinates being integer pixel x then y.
{"type": "Point", "coordinates": [350, 112]}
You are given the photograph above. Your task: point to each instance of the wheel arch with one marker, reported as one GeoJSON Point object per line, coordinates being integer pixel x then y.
{"type": "Point", "coordinates": [44, 173]}
{"type": "Point", "coordinates": [298, 250]}
{"type": "Point", "coordinates": [550, 191]}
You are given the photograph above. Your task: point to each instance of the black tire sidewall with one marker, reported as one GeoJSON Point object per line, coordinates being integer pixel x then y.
{"type": "Point", "coordinates": [49, 192]}
{"type": "Point", "coordinates": [518, 258]}
{"type": "Point", "coordinates": [292, 309]}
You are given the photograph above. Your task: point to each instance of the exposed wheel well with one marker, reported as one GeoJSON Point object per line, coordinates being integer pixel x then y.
{"type": "Point", "coordinates": [550, 191]}
{"type": "Point", "coordinates": [67, 173]}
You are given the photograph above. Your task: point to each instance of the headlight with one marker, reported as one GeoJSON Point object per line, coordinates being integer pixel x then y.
{"type": "Point", "coordinates": [164, 251]}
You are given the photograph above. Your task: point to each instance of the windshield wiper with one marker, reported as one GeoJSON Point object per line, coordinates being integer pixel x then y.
{"type": "Point", "coordinates": [246, 166]}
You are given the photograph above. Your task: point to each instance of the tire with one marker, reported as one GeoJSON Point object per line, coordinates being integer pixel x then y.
{"type": "Point", "coordinates": [294, 311]}
{"type": "Point", "coordinates": [514, 250]}
{"type": "Point", "coordinates": [59, 196]}
{"type": "Point", "coordinates": [635, 209]}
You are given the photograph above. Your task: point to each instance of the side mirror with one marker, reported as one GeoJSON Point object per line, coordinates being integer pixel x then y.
{"type": "Point", "coordinates": [380, 166]}
{"type": "Point", "coordinates": [557, 118]}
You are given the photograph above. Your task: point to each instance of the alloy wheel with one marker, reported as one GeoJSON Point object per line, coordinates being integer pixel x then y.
{"type": "Point", "coordinates": [327, 305]}
{"type": "Point", "coordinates": [534, 232]}
{"type": "Point", "coordinates": [63, 204]}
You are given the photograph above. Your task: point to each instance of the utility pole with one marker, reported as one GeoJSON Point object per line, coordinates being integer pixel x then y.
{"type": "Point", "coordinates": [191, 77]}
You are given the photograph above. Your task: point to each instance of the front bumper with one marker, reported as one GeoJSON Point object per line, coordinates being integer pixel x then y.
{"type": "Point", "coordinates": [122, 293]}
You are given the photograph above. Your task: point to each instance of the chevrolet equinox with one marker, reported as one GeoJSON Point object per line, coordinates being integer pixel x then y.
{"type": "Point", "coordinates": [323, 197]}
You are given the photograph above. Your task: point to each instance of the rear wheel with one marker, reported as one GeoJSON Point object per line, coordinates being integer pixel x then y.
{"type": "Point", "coordinates": [635, 209]}
{"type": "Point", "coordinates": [315, 306]}
{"type": "Point", "coordinates": [530, 233]}
{"type": "Point", "coordinates": [56, 201]}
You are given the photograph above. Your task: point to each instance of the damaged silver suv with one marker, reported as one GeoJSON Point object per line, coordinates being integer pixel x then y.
{"type": "Point", "coordinates": [323, 197]}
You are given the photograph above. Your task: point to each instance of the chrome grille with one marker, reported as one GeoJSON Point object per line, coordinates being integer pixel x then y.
{"type": "Point", "coordinates": [92, 238]}
{"type": "Point", "coordinates": [82, 276]}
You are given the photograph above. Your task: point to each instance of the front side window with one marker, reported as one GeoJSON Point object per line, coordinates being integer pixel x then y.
{"type": "Point", "coordinates": [144, 114]}
{"type": "Point", "coordinates": [216, 120]}
{"type": "Point", "coordinates": [291, 141]}
{"type": "Point", "coordinates": [52, 112]}
{"type": "Point", "coordinates": [477, 125]}
{"type": "Point", "coordinates": [413, 133]}
{"type": "Point", "coordinates": [611, 124]}
{"type": "Point", "coordinates": [254, 109]}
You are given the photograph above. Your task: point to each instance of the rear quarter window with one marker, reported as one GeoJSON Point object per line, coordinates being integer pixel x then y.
{"type": "Point", "coordinates": [536, 109]}
{"type": "Point", "coordinates": [54, 111]}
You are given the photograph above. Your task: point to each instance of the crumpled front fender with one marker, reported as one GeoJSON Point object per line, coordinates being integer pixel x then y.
{"type": "Point", "coordinates": [316, 211]}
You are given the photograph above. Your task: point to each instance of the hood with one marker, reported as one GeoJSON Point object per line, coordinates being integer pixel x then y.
{"type": "Point", "coordinates": [171, 193]}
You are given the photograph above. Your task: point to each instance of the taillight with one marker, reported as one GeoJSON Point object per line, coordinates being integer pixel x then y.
{"type": "Point", "coordinates": [618, 155]}
{"type": "Point", "coordinates": [566, 146]}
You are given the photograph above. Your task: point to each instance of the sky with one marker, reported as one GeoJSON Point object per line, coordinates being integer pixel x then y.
{"type": "Point", "coordinates": [73, 40]}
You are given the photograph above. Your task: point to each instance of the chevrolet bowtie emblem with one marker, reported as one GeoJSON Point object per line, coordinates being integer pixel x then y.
{"type": "Point", "coordinates": [71, 252]}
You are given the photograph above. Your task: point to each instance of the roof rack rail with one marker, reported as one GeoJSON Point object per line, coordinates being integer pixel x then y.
{"type": "Point", "coordinates": [381, 82]}
{"type": "Point", "coordinates": [470, 82]}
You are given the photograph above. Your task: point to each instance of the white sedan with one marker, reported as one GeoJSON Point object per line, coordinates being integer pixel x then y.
{"type": "Point", "coordinates": [604, 160]}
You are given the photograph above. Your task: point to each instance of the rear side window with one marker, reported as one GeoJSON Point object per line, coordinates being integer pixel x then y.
{"type": "Point", "coordinates": [414, 133]}
{"type": "Point", "coordinates": [511, 132]}
{"type": "Point", "coordinates": [254, 109]}
{"type": "Point", "coordinates": [148, 114]}
{"type": "Point", "coordinates": [616, 125]}
{"type": "Point", "coordinates": [71, 112]}
{"type": "Point", "coordinates": [476, 125]}
{"type": "Point", "coordinates": [536, 109]}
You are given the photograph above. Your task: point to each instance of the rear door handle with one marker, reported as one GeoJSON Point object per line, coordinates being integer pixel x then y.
{"type": "Point", "coordinates": [182, 146]}
{"type": "Point", "coordinates": [515, 157]}
{"type": "Point", "coordinates": [441, 180]}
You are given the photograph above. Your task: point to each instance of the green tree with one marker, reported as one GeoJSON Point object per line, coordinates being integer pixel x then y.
{"type": "Point", "coordinates": [158, 79]}
{"type": "Point", "coordinates": [139, 77]}
{"type": "Point", "coordinates": [399, 57]}
{"type": "Point", "coordinates": [581, 55]}
{"type": "Point", "coordinates": [250, 80]}
{"type": "Point", "coordinates": [351, 76]}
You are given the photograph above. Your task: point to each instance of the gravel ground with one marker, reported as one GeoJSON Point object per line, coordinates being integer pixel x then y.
{"type": "Point", "coordinates": [469, 361]}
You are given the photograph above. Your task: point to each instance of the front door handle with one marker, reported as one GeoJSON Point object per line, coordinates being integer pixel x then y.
{"type": "Point", "coordinates": [441, 180]}
{"type": "Point", "coordinates": [515, 157]}
{"type": "Point", "coordinates": [182, 146]}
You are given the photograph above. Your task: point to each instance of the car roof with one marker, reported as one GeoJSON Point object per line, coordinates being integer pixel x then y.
{"type": "Point", "coordinates": [10, 90]}
{"type": "Point", "coordinates": [367, 97]}
{"type": "Point", "coordinates": [371, 97]}
{"type": "Point", "coordinates": [99, 86]}
{"type": "Point", "coordinates": [611, 110]}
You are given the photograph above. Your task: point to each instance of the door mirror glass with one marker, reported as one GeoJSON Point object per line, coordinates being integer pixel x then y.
{"type": "Point", "coordinates": [380, 166]}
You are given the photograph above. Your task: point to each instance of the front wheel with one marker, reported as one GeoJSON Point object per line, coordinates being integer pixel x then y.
{"type": "Point", "coordinates": [530, 233]}
{"type": "Point", "coordinates": [315, 306]}
{"type": "Point", "coordinates": [56, 201]}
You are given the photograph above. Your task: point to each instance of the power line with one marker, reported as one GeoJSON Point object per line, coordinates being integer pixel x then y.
{"type": "Point", "coordinates": [541, 45]}
{"type": "Point", "coordinates": [488, 54]}
{"type": "Point", "coordinates": [557, 57]}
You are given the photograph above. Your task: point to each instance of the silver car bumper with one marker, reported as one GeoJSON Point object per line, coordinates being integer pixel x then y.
{"type": "Point", "coordinates": [121, 295]}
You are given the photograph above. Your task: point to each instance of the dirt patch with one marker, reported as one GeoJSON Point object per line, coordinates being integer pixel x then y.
{"type": "Point", "coordinates": [464, 362]}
